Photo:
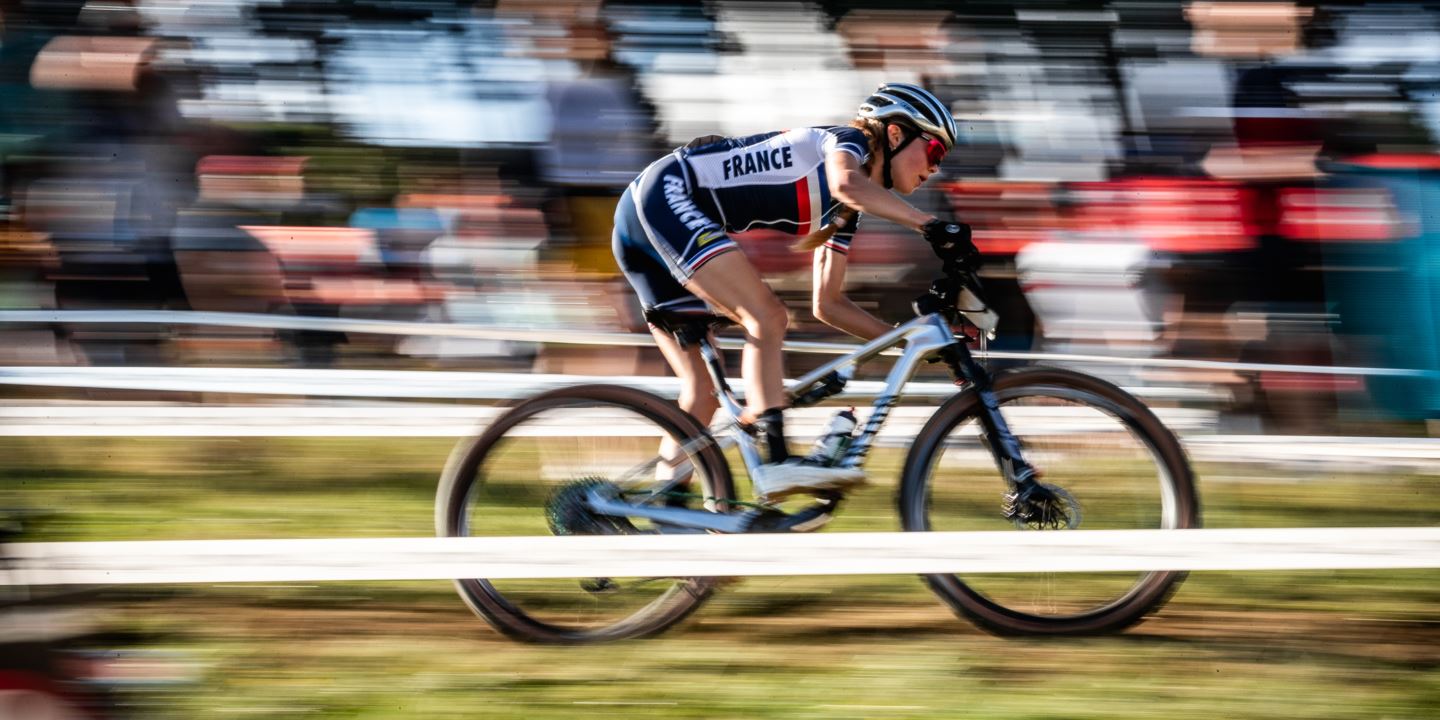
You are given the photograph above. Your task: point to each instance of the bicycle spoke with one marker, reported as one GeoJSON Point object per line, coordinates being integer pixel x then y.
{"type": "Point", "coordinates": [533, 474]}
{"type": "Point", "coordinates": [1103, 466]}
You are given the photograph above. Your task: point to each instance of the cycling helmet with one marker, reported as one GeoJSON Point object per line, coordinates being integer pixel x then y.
{"type": "Point", "coordinates": [912, 103]}
{"type": "Point", "coordinates": [915, 108]}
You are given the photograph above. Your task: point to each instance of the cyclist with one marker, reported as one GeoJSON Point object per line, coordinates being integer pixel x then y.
{"type": "Point", "coordinates": [671, 242]}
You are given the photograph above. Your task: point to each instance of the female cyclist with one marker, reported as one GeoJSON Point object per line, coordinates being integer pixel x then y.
{"type": "Point", "coordinates": [670, 241]}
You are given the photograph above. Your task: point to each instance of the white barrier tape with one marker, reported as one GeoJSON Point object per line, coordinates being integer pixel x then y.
{"type": "Point", "coordinates": [262, 321]}
{"type": "Point", "coordinates": [329, 383]}
{"type": "Point", "coordinates": [368, 383]}
{"type": "Point", "coordinates": [412, 384]}
{"type": "Point", "coordinates": [240, 561]}
{"type": "Point", "coordinates": [564, 336]}
{"type": "Point", "coordinates": [456, 421]}
{"type": "Point", "coordinates": [1355, 453]}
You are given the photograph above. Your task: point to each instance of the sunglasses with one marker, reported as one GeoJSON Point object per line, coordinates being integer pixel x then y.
{"type": "Point", "coordinates": [934, 149]}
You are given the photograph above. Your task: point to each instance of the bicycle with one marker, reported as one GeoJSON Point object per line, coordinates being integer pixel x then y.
{"type": "Point", "coordinates": [618, 481]}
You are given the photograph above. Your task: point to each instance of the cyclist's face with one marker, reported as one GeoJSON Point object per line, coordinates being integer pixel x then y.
{"type": "Point", "coordinates": [916, 163]}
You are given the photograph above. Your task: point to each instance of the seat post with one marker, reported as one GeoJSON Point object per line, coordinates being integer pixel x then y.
{"type": "Point", "coordinates": [716, 368]}
{"type": "Point", "coordinates": [749, 449]}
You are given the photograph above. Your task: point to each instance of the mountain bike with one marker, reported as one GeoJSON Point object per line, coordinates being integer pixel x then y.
{"type": "Point", "coordinates": [1030, 449]}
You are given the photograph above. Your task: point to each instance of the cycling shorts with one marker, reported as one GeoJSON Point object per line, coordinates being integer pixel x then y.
{"type": "Point", "coordinates": [662, 237]}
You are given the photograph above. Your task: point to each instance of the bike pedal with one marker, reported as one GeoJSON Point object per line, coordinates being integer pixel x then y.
{"type": "Point", "coordinates": [813, 524]}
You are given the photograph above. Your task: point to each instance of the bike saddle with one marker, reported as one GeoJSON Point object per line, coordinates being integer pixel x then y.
{"type": "Point", "coordinates": [688, 321]}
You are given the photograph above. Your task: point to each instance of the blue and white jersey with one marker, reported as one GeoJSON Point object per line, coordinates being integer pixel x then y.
{"type": "Point", "coordinates": [775, 180]}
{"type": "Point", "coordinates": [678, 215]}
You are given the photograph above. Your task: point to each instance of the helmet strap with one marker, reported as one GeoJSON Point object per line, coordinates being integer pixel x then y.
{"type": "Point", "coordinates": [909, 135]}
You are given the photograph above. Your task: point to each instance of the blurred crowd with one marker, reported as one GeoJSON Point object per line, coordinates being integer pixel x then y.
{"type": "Point", "coordinates": [1249, 181]}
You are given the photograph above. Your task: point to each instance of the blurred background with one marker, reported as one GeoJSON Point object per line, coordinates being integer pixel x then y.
{"type": "Point", "coordinates": [1217, 181]}
{"type": "Point", "coordinates": [1241, 182]}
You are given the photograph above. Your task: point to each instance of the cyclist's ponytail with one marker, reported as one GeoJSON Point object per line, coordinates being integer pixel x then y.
{"type": "Point", "coordinates": [874, 130]}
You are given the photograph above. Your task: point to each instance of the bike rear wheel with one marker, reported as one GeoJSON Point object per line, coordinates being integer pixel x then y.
{"type": "Point", "coordinates": [526, 475]}
{"type": "Point", "coordinates": [1122, 468]}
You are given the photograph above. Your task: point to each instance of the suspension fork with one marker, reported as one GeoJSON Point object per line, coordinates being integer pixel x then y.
{"type": "Point", "coordinates": [995, 432]}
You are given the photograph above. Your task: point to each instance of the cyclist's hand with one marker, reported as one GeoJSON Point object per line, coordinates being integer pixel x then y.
{"type": "Point", "coordinates": [951, 242]}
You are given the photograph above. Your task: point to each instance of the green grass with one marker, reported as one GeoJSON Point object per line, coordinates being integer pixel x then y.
{"type": "Point", "coordinates": [1343, 645]}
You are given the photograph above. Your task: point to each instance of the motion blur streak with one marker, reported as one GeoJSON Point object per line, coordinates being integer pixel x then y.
{"type": "Point", "coordinates": [1251, 182]}
{"type": "Point", "coordinates": [1224, 181]}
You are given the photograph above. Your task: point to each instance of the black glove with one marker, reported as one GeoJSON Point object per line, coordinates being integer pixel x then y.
{"type": "Point", "coordinates": [951, 242]}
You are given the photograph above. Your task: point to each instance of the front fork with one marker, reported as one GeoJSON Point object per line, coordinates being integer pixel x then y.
{"type": "Point", "coordinates": [995, 433]}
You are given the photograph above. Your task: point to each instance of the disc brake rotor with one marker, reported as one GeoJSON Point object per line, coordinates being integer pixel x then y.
{"type": "Point", "coordinates": [1043, 506]}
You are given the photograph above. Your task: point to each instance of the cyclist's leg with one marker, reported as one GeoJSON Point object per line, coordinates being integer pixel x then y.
{"type": "Point", "coordinates": [654, 283]}
{"type": "Point", "coordinates": [700, 257]}
{"type": "Point", "coordinates": [697, 397]}
{"type": "Point", "coordinates": [731, 284]}
{"type": "Point", "coordinates": [697, 392]}
{"type": "Point", "coordinates": [658, 224]}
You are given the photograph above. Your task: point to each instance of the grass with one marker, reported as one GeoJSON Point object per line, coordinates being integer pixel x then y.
{"type": "Point", "coordinates": [1343, 645]}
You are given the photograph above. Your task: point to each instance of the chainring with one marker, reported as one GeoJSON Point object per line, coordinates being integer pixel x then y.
{"type": "Point", "coordinates": [568, 513]}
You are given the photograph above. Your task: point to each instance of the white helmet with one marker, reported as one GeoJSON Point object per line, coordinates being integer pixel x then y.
{"type": "Point", "coordinates": [915, 105]}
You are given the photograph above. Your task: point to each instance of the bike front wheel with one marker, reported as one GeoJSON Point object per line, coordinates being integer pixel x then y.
{"type": "Point", "coordinates": [1117, 467]}
{"type": "Point", "coordinates": [528, 474]}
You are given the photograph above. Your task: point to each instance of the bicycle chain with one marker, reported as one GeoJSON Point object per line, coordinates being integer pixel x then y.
{"type": "Point", "coordinates": [705, 498]}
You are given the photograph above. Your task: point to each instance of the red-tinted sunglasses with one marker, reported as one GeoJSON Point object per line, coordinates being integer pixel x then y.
{"type": "Point", "coordinates": [934, 149]}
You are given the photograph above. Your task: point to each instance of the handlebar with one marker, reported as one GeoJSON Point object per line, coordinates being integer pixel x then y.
{"type": "Point", "coordinates": [952, 294]}
{"type": "Point", "coordinates": [944, 293]}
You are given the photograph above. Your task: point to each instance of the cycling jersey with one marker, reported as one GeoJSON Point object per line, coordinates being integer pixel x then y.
{"type": "Point", "coordinates": [676, 216]}
{"type": "Point", "coordinates": [776, 180]}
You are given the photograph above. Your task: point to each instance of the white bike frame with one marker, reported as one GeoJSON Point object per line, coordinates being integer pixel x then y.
{"type": "Point", "coordinates": [922, 338]}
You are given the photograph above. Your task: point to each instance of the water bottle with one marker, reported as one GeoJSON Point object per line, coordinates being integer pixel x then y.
{"type": "Point", "coordinates": [831, 444]}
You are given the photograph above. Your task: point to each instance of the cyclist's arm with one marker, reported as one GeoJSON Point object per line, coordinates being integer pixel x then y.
{"type": "Point", "coordinates": [830, 304]}
{"type": "Point", "coordinates": [849, 185]}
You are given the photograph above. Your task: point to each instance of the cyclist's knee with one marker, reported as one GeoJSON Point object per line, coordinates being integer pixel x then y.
{"type": "Point", "coordinates": [701, 404]}
{"type": "Point", "coordinates": [767, 319]}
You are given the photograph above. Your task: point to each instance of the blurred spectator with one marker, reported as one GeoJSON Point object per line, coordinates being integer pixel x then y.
{"type": "Point", "coordinates": [223, 267]}
{"type": "Point", "coordinates": [894, 41]}
{"type": "Point", "coordinates": [106, 184]}
{"type": "Point", "coordinates": [602, 136]}
{"type": "Point", "coordinates": [1277, 142]}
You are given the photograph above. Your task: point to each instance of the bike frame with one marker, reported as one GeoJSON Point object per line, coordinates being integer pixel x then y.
{"type": "Point", "coordinates": [923, 337]}
{"type": "Point", "coordinates": [926, 336]}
